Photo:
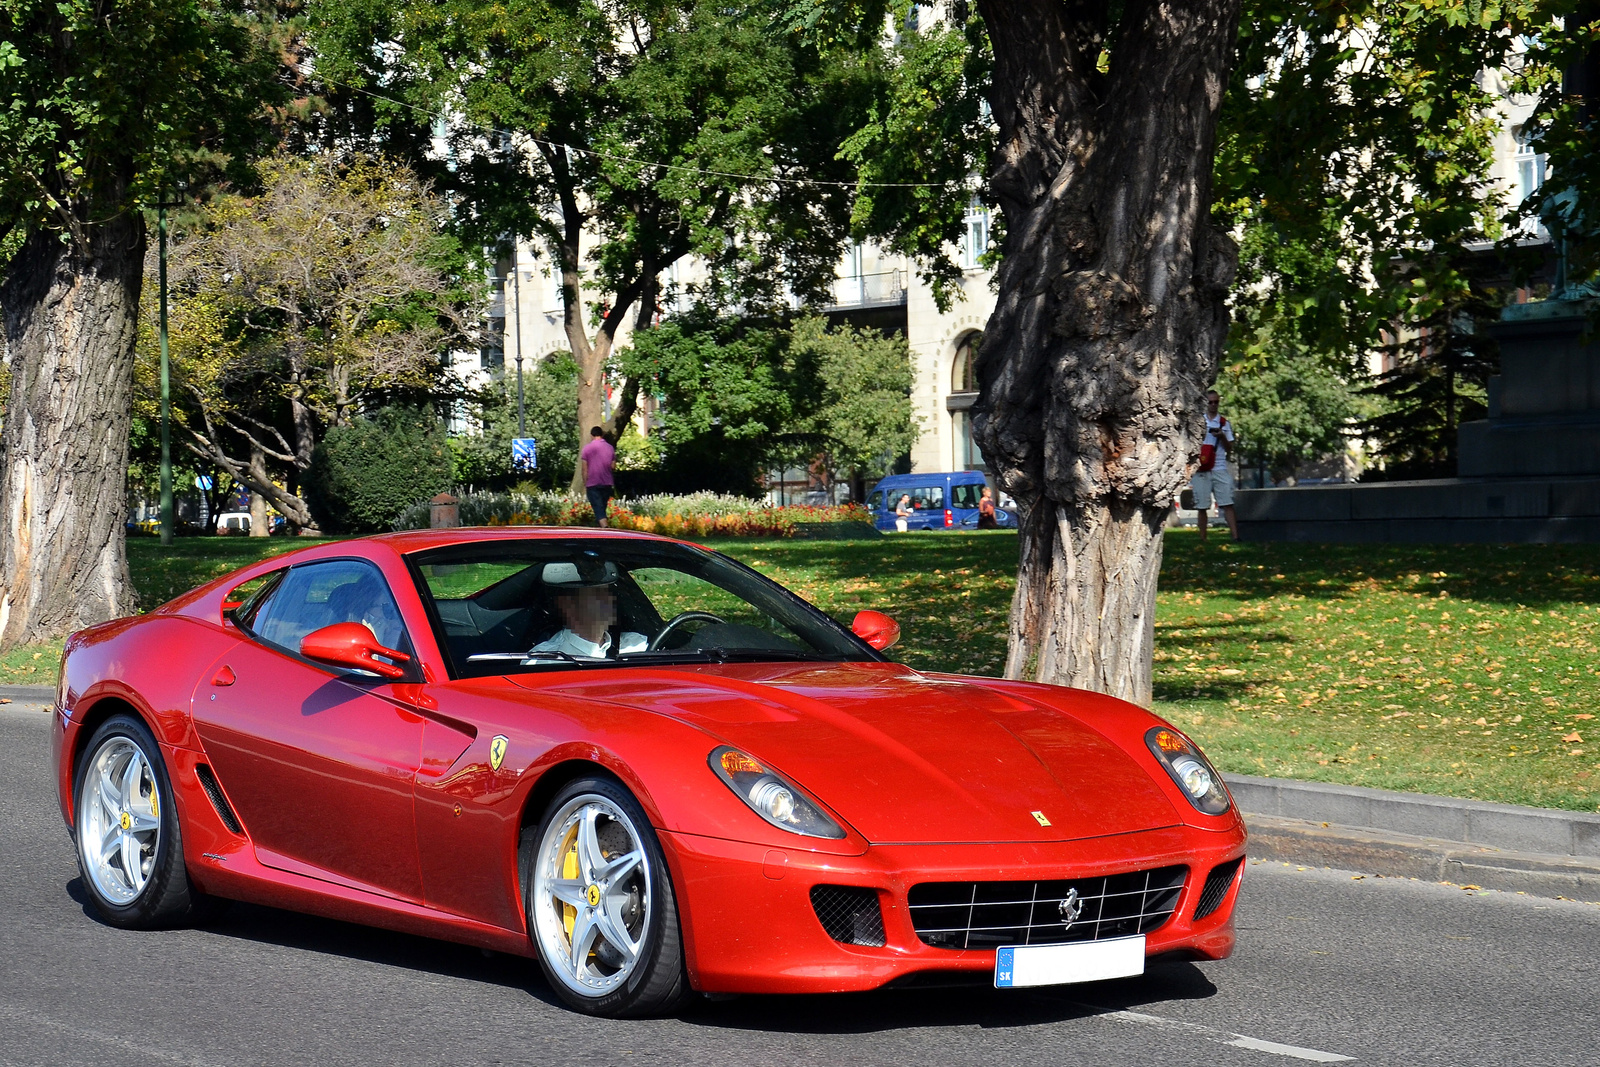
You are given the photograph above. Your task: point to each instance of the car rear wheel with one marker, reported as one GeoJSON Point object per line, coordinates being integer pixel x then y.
{"type": "Point", "coordinates": [130, 848]}
{"type": "Point", "coordinates": [600, 904]}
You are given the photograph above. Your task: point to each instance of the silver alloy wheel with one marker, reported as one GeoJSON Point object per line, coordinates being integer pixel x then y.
{"type": "Point", "coordinates": [119, 820]}
{"type": "Point", "coordinates": [591, 895]}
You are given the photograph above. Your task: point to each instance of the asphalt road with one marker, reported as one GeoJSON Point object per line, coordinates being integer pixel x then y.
{"type": "Point", "coordinates": [1329, 966]}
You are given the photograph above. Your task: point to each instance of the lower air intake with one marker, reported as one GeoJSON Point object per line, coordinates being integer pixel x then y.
{"type": "Point", "coordinates": [849, 913]}
{"type": "Point", "coordinates": [1216, 888]}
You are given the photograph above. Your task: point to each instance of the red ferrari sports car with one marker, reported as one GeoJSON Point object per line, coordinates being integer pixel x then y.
{"type": "Point", "coordinates": [635, 760]}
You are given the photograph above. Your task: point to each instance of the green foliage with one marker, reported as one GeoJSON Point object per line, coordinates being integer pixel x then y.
{"type": "Point", "coordinates": [650, 116]}
{"type": "Point", "coordinates": [735, 381]}
{"type": "Point", "coordinates": [930, 130]}
{"type": "Point", "coordinates": [550, 394]}
{"type": "Point", "coordinates": [1566, 125]}
{"type": "Point", "coordinates": [1356, 136]}
{"type": "Point", "coordinates": [365, 474]}
{"type": "Point", "coordinates": [862, 419]}
{"type": "Point", "coordinates": [332, 289]}
{"type": "Point", "coordinates": [1438, 378]}
{"type": "Point", "coordinates": [767, 395]}
{"type": "Point", "coordinates": [1291, 409]}
{"type": "Point", "coordinates": [102, 101]}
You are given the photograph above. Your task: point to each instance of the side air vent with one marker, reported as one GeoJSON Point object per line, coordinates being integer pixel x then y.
{"type": "Point", "coordinates": [208, 782]}
{"type": "Point", "coordinates": [849, 913]}
{"type": "Point", "coordinates": [1217, 885]}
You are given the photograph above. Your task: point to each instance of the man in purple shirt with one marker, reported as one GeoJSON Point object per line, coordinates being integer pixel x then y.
{"type": "Point", "coordinates": [598, 457]}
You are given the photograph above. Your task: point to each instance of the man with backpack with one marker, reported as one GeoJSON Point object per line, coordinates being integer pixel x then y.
{"type": "Point", "coordinates": [1214, 478]}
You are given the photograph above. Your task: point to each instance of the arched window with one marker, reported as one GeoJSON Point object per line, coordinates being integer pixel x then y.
{"type": "Point", "coordinates": [963, 365]}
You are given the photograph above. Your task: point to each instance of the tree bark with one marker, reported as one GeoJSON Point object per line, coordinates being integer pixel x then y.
{"type": "Point", "coordinates": [70, 319]}
{"type": "Point", "coordinates": [1111, 313]}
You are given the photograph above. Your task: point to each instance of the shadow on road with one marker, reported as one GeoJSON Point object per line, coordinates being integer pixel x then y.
{"type": "Point", "coordinates": [842, 1013]}
{"type": "Point", "coordinates": [979, 1005]}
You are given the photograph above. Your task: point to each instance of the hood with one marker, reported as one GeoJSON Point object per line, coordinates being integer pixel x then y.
{"type": "Point", "coordinates": [901, 756]}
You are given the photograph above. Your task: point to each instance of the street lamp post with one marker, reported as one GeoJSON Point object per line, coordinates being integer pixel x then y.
{"type": "Point", "coordinates": [166, 372]}
{"type": "Point", "coordinates": [516, 298]}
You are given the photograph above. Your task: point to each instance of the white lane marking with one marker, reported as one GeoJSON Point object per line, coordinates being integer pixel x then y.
{"type": "Point", "coordinates": [39, 1019]}
{"type": "Point", "coordinates": [1223, 1037]}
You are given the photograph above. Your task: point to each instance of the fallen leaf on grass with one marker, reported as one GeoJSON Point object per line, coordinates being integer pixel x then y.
{"type": "Point", "coordinates": [1573, 736]}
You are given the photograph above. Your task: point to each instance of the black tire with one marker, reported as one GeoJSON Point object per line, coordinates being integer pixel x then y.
{"type": "Point", "coordinates": [165, 898]}
{"type": "Point", "coordinates": [658, 982]}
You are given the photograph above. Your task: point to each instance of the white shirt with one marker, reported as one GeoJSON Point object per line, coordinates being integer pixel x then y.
{"type": "Point", "coordinates": [1217, 426]}
{"type": "Point", "coordinates": [569, 642]}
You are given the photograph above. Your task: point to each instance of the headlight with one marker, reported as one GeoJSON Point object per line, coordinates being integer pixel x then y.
{"type": "Point", "coordinates": [1194, 774]}
{"type": "Point", "coordinates": [769, 796]}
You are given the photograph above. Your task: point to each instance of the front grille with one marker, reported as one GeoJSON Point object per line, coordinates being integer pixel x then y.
{"type": "Point", "coordinates": [213, 788]}
{"type": "Point", "coordinates": [849, 913]}
{"type": "Point", "coordinates": [1216, 887]}
{"type": "Point", "coordinates": [991, 914]}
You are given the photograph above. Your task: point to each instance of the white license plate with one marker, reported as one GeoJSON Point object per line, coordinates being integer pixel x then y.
{"type": "Point", "coordinates": [1077, 961]}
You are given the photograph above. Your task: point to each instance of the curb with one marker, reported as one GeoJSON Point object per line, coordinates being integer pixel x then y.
{"type": "Point", "coordinates": [1538, 851]}
{"type": "Point", "coordinates": [29, 694]}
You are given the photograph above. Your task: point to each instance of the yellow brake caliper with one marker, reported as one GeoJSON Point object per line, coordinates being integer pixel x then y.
{"type": "Point", "coordinates": [569, 871]}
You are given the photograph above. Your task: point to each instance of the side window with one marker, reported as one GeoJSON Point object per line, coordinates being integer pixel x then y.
{"type": "Point", "coordinates": [927, 496]}
{"type": "Point", "coordinates": [875, 500]}
{"type": "Point", "coordinates": [965, 496]}
{"type": "Point", "coordinates": [320, 594]}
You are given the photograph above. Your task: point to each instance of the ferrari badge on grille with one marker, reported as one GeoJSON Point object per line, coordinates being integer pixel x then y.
{"type": "Point", "coordinates": [1071, 908]}
{"type": "Point", "coordinates": [497, 751]}
{"type": "Point", "coordinates": [1040, 819]}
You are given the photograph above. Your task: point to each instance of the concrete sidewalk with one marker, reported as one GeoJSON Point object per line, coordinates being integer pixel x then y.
{"type": "Point", "coordinates": [1540, 851]}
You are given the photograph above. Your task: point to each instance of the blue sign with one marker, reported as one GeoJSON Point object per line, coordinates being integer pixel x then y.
{"type": "Point", "coordinates": [203, 481]}
{"type": "Point", "coordinates": [524, 454]}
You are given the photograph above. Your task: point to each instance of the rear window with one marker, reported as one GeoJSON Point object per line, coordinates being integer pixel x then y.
{"type": "Point", "coordinates": [925, 497]}
{"type": "Point", "coordinates": [965, 496]}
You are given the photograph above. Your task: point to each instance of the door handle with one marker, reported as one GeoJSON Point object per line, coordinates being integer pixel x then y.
{"type": "Point", "coordinates": [225, 676]}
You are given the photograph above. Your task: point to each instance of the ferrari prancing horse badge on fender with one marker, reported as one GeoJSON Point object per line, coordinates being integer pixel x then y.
{"type": "Point", "coordinates": [497, 751]}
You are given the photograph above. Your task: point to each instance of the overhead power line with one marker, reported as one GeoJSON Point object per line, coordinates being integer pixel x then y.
{"type": "Point", "coordinates": [751, 178]}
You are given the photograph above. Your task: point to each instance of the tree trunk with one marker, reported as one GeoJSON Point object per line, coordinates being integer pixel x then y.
{"type": "Point", "coordinates": [70, 318]}
{"type": "Point", "coordinates": [259, 520]}
{"type": "Point", "coordinates": [1111, 314]}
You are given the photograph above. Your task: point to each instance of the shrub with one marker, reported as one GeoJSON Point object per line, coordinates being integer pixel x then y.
{"type": "Point", "coordinates": [365, 474]}
{"type": "Point", "coordinates": [692, 516]}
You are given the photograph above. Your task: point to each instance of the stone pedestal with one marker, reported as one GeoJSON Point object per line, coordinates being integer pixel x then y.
{"type": "Point", "coordinates": [1529, 472]}
{"type": "Point", "coordinates": [1544, 405]}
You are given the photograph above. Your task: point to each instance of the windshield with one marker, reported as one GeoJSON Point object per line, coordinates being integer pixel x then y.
{"type": "Point", "coordinates": [539, 604]}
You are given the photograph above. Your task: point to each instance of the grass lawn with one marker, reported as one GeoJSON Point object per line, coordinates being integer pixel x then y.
{"type": "Point", "coordinates": [1468, 670]}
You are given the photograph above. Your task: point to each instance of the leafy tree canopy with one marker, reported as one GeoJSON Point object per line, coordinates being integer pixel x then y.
{"type": "Point", "coordinates": [104, 101]}
{"type": "Point", "coordinates": [620, 136]}
{"type": "Point", "coordinates": [332, 291]}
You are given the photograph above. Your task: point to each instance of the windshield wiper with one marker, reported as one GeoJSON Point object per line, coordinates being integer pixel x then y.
{"type": "Point", "coordinates": [748, 655]}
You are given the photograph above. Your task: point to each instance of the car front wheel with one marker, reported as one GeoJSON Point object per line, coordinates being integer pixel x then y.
{"type": "Point", "coordinates": [130, 849]}
{"type": "Point", "coordinates": [600, 904]}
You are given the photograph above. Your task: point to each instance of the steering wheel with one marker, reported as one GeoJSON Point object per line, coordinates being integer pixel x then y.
{"type": "Point", "coordinates": [681, 617]}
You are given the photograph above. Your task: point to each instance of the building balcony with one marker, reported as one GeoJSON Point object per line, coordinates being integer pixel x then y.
{"type": "Point", "coordinates": [883, 289]}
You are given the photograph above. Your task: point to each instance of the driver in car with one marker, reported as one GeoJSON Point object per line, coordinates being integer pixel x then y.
{"type": "Point", "coordinates": [587, 600]}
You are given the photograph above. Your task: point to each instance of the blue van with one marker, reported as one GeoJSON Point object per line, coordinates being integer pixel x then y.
{"type": "Point", "coordinates": [941, 500]}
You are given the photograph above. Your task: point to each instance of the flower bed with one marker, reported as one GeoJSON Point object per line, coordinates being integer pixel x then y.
{"type": "Point", "coordinates": [697, 515]}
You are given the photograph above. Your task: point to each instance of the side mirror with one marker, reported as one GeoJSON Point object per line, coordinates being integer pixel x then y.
{"type": "Point", "coordinates": [876, 629]}
{"type": "Point", "coordinates": [352, 645]}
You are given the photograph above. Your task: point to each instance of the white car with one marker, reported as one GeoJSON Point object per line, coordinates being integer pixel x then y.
{"type": "Point", "coordinates": [233, 523]}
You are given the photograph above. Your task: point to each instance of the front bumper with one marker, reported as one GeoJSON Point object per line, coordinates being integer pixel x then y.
{"type": "Point", "coordinates": [749, 926]}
